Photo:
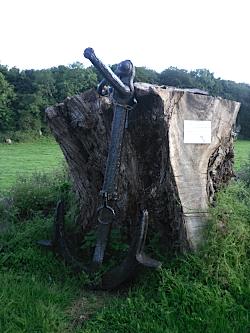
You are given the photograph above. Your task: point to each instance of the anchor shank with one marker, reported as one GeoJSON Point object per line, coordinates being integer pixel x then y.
{"type": "Point", "coordinates": [103, 232]}
{"type": "Point", "coordinates": [114, 155]}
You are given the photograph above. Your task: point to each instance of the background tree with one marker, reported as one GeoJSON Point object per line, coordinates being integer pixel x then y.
{"type": "Point", "coordinates": [143, 74]}
{"type": "Point", "coordinates": [204, 79]}
{"type": "Point", "coordinates": [7, 97]}
{"type": "Point", "coordinates": [176, 77]}
{"type": "Point", "coordinates": [26, 94]}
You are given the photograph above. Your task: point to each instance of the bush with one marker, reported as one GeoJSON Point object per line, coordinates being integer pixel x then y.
{"type": "Point", "coordinates": [36, 194]}
{"type": "Point", "coordinates": [244, 173]}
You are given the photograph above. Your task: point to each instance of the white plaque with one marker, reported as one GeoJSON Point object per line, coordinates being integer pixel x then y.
{"type": "Point", "coordinates": [197, 131]}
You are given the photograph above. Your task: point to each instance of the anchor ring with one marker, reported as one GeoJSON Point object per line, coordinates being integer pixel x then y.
{"type": "Point", "coordinates": [109, 210]}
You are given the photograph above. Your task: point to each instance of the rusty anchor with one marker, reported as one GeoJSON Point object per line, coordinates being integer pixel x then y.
{"type": "Point", "coordinates": [119, 87]}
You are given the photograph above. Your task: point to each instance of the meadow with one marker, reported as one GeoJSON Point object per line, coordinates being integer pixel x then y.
{"type": "Point", "coordinates": [45, 155]}
{"type": "Point", "coordinates": [203, 292]}
{"type": "Point", "coordinates": [242, 153]}
{"type": "Point", "coordinates": [26, 158]}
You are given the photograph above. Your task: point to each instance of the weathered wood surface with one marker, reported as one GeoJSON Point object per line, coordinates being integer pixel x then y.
{"type": "Point", "coordinates": [173, 180]}
{"type": "Point", "coordinates": [196, 167]}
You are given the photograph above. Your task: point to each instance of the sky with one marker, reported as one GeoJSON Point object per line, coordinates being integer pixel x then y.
{"type": "Point", "coordinates": [157, 34]}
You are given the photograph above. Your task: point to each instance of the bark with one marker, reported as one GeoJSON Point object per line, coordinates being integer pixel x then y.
{"type": "Point", "coordinates": [173, 180]}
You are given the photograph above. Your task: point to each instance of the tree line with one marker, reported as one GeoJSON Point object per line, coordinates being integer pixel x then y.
{"type": "Point", "coordinates": [25, 94]}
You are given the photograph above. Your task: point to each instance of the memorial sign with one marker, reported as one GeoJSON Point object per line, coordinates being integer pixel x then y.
{"type": "Point", "coordinates": [196, 131]}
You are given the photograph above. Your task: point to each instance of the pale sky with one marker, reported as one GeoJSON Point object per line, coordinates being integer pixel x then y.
{"type": "Point", "coordinates": [190, 34]}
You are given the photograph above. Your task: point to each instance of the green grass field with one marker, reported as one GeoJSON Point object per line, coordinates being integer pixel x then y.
{"type": "Point", "coordinates": [242, 152]}
{"type": "Point", "coordinates": [27, 158]}
{"type": "Point", "coordinates": [205, 292]}
{"type": "Point", "coordinates": [45, 155]}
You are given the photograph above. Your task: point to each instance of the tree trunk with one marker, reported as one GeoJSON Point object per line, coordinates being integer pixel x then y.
{"type": "Point", "coordinates": [174, 180]}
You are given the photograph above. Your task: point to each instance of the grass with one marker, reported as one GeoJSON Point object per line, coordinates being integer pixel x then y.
{"type": "Point", "coordinates": [38, 293]}
{"type": "Point", "coordinates": [207, 291]}
{"type": "Point", "coordinates": [242, 153]}
{"type": "Point", "coordinates": [45, 154]}
{"type": "Point", "coordinates": [30, 305]}
{"type": "Point", "coordinates": [204, 292]}
{"type": "Point", "coordinates": [20, 158]}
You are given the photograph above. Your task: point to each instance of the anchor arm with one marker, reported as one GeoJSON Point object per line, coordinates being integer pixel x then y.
{"type": "Point", "coordinates": [135, 257]}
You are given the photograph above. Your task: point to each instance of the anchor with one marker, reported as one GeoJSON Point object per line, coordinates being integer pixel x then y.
{"type": "Point", "coordinates": [119, 87]}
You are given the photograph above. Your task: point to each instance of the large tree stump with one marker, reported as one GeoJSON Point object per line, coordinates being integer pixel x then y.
{"type": "Point", "coordinates": [174, 180]}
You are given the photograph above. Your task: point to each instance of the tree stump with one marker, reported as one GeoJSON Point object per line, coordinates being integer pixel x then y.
{"type": "Point", "coordinates": [167, 168]}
